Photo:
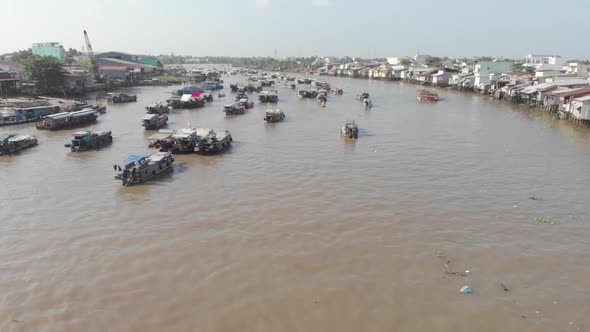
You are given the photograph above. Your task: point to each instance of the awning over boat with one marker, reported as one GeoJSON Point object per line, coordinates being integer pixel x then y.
{"type": "Point", "coordinates": [135, 158]}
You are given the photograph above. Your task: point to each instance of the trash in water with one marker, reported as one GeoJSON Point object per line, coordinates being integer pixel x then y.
{"type": "Point", "coordinates": [544, 220]}
{"type": "Point", "coordinates": [466, 290]}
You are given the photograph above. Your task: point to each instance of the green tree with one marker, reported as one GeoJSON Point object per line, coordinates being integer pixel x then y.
{"type": "Point", "coordinates": [485, 58]}
{"type": "Point", "coordinates": [405, 61]}
{"type": "Point", "coordinates": [434, 62]}
{"type": "Point", "coordinates": [85, 63]}
{"type": "Point", "coordinates": [46, 71]}
{"type": "Point", "coordinates": [22, 55]}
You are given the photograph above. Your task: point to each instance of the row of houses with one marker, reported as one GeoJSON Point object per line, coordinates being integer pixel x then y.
{"type": "Point", "coordinates": [558, 87]}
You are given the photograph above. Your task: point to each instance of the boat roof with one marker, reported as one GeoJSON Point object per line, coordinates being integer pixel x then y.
{"type": "Point", "coordinates": [6, 136]}
{"type": "Point", "coordinates": [243, 100]}
{"type": "Point", "coordinates": [81, 133]}
{"type": "Point", "coordinates": [135, 158]}
{"type": "Point", "coordinates": [350, 122]}
{"type": "Point", "coordinates": [158, 156]}
{"type": "Point", "coordinates": [149, 116]}
{"type": "Point", "coordinates": [161, 135]}
{"type": "Point", "coordinates": [203, 131]}
{"type": "Point", "coordinates": [184, 133]}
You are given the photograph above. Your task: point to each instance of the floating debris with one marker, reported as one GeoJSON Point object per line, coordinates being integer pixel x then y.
{"type": "Point", "coordinates": [504, 287]}
{"type": "Point", "coordinates": [533, 198]}
{"type": "Point", "coordinates": [544, 220]}
{"type": "Point", "coordinates": [466, 290]}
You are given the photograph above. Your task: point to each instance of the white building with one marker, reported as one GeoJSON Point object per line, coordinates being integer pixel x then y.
{"type": "Point", "coordinates": [420, 59]}
{"type": "Point", "coordinates": [485, 71]}
{"type": "Point", "coordinates": [544, 61]}
{"type": "Point", "coordinates": [580, 108]}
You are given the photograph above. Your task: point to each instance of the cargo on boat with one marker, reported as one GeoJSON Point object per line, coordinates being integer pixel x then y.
{"type": "Point", "coordinates": [11, 143]}
{"type": "Point", "coordinates": [140, 169]}
{"type": "Point", "coordinates": [67, 120]}
{"type": "Point", "coordinates": [274, 116]}
{"type": "Point", "coordinates": [350, 129]}
{"type": "Point", "coordinates": [271, 96]}
{"type": "Point", "coordinates": [121, 98]}
{"type": "Point", "coordinates": [426, 95]}
{"type": "Point", "coordinates": [154, 121]}
{"type": "Point", "coordinates": [87, 140]}
{"type": "Point", "coordinates": [234, 109]}
{"type": "Point", "coordinates": [157, 108]}
{"type": "Point", "coordinates": [187, 90]}
{"type": "Point", "coordinates": [16, 115]}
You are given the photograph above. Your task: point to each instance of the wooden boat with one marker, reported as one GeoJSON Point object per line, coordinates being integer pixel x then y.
{"type": "Point", "coordinates": [213, 142]}
{"type": "Point", "coordinates": [200, 140]}
{"type": "Point", "coordinates": [68, 120]}
{"type": "Point", "coordinates": [140, 169]}
{"type": "Point", "coordinates": [154, 121]}
{"type": "Point", "coordinates": [157, 108]}
{"type": "Point", "coordinates": [274, 116]}
{"type": "Point", "coordinates": [234, 109]}
{"type": "Point", "coordinates": [121, 98]}
{"type": "Point", "coordinates": [245, 103]}
{"type": "Point", "coordinates": [362, 96]}
{"type": "Point", "coordinates": [17, 115]}
{"type": "Point", "coordinates": [186, 101]}
{"type": "Point", "coordinates": [350, 129]}
{"type": "Point", "coordinates": [271, 96]}
{"type": "Point", "coordinates": [11, 143]}
{"type": "Point", "coordinates": [86, 140]}
{"type": "Point", "coordinates": [426, 95]}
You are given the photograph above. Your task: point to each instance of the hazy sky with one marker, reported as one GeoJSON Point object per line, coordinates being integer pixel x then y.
{"type": "Point", "coordinates": [511, 28]}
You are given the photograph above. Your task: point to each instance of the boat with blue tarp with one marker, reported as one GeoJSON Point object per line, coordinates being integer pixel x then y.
{"type": "Point", "coordinates": [139, 168]}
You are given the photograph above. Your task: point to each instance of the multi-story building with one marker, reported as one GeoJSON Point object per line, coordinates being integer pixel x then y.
{"type": "Point", "coordinates": [53, 49]}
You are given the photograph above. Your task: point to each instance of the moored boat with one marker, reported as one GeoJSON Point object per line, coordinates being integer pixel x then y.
{"type": "Point", "coordinates": [67, 120]}
{"type": "Point", "coordinates": [188, 140]}
{"type": "Point", "coordinates": [11, 143]}
{"type": "Point", "coordinates": [121, 98]}
{"type": "Point", "coordinates": [140, 169]}
{"type": "Point", "coordinates": [362, 96]}
{"type": "Point", "coordinates": [233, 109]}
{"type": "Point", "coordinates": [157, 108]}
{"type": "Point", "coordinates": [87, 140]}
{"type": "Point", "coordinates": [274, 116]}
{"type": "Point", "coordinates": [350, 129]}
{"type": "Point", "coordinates": [154, 121]}
{"type": "Point", "coordinates": [271, 96]}
{"type": "Point", "coordinates": [245, 103]}
{"type": "Point", "coordinates": [16, 115]}
{"type": "Point", "coordinates": [426, 95]}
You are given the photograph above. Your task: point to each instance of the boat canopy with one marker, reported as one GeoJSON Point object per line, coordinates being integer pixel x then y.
{"type": "Point", "coordinates": [5, 137]}
{"type": "Point", "coordinates": [149, 116]}
{"type": "Point", "coordinates": [135, 158]}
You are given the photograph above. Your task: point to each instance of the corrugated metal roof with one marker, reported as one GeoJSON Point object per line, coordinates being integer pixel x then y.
{"type": "Point", "coordinates": [585, 98]}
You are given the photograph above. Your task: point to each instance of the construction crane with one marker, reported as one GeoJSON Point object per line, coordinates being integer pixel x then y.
{"type": "Point", "coordinates": [97, 76]}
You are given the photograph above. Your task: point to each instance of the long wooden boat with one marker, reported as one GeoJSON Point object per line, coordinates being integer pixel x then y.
{"type": "Point", "coordinates": [17, 115]}
{"type": "Point", "coordinates": [67, 120]}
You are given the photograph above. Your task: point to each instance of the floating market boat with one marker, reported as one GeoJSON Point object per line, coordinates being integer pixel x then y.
{"type": "Point", "coordinates": [11, 143]}
{"type": "Point", "coordinates": [362, 96]}
{"type": "Point", "coordinates": [121, 98]}
{"type": "Point", "coordinates": [201, 140]}
{"type": "Point", "coordinates": [186, 101]}
{"type": "Point", "coordinates": [68, 120]}
{"type": "Point", "coordinates": [426, 95]}
{"type": "Point", "coordinates": [140, 169]}
{"type": "Point", "coordinates": [245, 103]}
{"type": "Point", "coordinates": [271, 96]}
{"type": "Point", "coordinates": [274, 116]}
{"type": "Point", "coordinates": [157, 108]}
{"type": "Point", "coordinates": [154, 121]}
{"type": "Point", "coordinates": [234, 109]}
{"type": "Point", "coordinates": [87, 140]}
{"type": "Point", "coordinates": [350, 129]}
{"type": "Point", "coordinates": [16, 115]}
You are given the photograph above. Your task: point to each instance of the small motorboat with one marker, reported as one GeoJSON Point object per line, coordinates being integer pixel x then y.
{"type": "Point", "coordinates": [274, 116]}
{"type": "Point", "coordinates": [350, 129]}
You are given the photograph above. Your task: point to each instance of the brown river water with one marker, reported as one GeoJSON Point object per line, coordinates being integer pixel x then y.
{"type": "Point", "coordinates": [299, 229]}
